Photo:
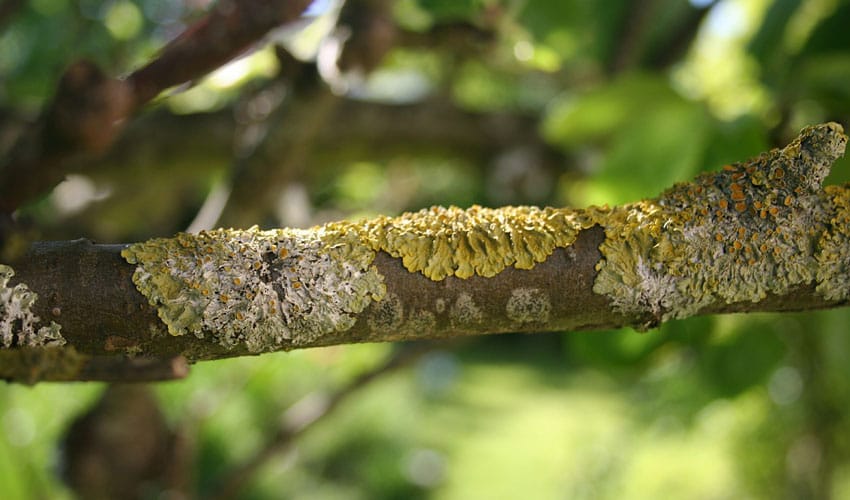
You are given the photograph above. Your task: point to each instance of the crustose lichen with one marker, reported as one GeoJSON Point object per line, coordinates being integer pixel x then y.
{"type": "Point", "coordinates": [753, 228]}
{"type": "Point", "coordinates": [18, 324]}
{"type": "Point", "coordinates": [263, 289]}
{"type": "Point", "coordinates": [735, 235]}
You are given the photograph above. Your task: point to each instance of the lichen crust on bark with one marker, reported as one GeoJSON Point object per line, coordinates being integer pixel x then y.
{"type": "Point", "coordinates": [18, 324]}
{"type": "Point", "coordinates": [265, 289]}
{"type": "Point", "coordinates": [440, 242]}
{"type": "Point", "coordinates": [755, 227]}
{"type": "Point", "coordinates": [833, 255]}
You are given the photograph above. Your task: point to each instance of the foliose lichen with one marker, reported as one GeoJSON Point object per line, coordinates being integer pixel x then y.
{"type": "Point", "coordinates": [754, 228]}
{"type": "Point", "coordinates": [441, 242]}
{"type": "Point", "coordinates": [18, 324]}
{"type": "Point", "coordinates": [263, 289]}
{"type": "Point", "coordinates": [734, 235]}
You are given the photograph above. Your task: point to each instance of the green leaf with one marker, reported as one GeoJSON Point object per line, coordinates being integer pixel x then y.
{"type": "Point", "coordinates": [601, 112]}
{"type": "Point", "coordinates": [744, 359]}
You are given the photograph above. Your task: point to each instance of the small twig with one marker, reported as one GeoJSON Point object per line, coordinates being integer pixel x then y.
{"type": "Point", "coordinates": [228, 31]}
{"type": "Point", "coordinates": [61, 364]}
{"type": "Point", "coordinates": [308, 411]}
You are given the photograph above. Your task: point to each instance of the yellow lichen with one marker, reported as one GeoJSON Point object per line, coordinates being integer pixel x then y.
{"type": "Point", "coordinates": [750, 229]}
{"type": "Point", "coordinates": [671, 258]}
{"type": "Point", "coordinates": [441, 242]}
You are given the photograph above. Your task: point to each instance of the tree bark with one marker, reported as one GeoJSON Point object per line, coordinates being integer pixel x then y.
{"type": "Point", "coordinates": [760, 235]}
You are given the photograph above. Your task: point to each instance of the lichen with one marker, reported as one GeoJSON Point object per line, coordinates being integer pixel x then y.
{"type": "Point", "coordinates": [271, 289]}
{"type": "Point", "coordinates": [440, 305]}
{"type": "Point", "coordinates": [441, 242]}
{"type": "Point", "coordinates": [18, 324]}
{"type": "Point", "coordinates": [419, 324]}
{"type": "Point", "coordinates": [388, 314]}
{"type": "Point", "coordinates": [464, 312]}
{"type": "Point", "coordinates": [833, 256]}
{"type": "Point", "coordinates": [528, 305]}
{"type": "Point", "coordinates": [753, 228]}
{"type": "Point", "coordinates": [734, 235]}
{"type": "Point", "coordinates": [263, 289]}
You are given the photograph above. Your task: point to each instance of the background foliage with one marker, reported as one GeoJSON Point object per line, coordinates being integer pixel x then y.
{"type": "Point", "coordinates": [559, 102]}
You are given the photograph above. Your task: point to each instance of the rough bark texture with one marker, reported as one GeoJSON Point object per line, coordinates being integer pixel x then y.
{"type": "Point", "coordinates": [431, 275]}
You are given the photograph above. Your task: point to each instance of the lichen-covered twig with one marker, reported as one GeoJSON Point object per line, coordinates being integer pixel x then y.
{"type": "Point", "coordinates": [757, 235]}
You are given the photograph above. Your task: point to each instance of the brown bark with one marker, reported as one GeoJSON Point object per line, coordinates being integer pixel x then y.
{"type": "Point", "coordinates": [88, 289]}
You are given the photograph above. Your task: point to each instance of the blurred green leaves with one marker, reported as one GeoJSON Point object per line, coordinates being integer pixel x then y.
{"type": "Point", "coordinates": [648, 137]}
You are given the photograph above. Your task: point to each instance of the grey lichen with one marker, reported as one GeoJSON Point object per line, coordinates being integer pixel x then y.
{"type": "Point", "coordinates": [464, 312]}
{"type": "Point", "coordinates": [264, 289]}
{"type": "Point", "coordinates": [528, 305]}
{"type": "Point", "coordinates": [731, 236]}
{"type": "Point", "coordinates": [388, 314]}
{"type": "Point", "coordinates": [440, 305]}
{"type": "Point", "coordinates": [419, 323]}
{"type": "Point", "coordinates": [754, 228]}
{"type": "Point", "coordinates": [18, 324]}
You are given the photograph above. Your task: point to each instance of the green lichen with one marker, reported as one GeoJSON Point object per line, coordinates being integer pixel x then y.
{"type": "Point", "coordinates": [730, 236]}
{"type": "Point", "coordinates": [263, 289]}
{"type": "Point", "coordinates": [18, 324]}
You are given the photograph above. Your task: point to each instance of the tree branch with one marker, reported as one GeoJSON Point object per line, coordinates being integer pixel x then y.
{"type": "Point", "coordinates": [760, 235]}
{"type": "Point", "coordinates": [90, 109]}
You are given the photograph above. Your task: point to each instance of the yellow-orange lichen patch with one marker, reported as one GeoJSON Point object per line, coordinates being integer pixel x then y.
{"type": "Point", "coordinates": [697, 259]}
{"type": "Point", "coordinates": [441, 242]}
